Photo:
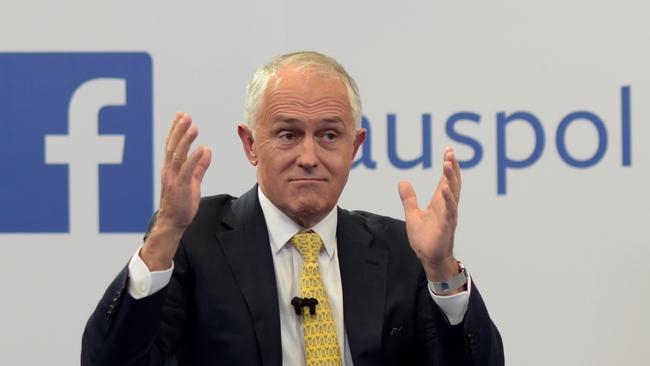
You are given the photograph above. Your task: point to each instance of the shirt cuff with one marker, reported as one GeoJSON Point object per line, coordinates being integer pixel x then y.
{"type": "Point", "coordinates": [454, 306]}
{"type": "Point", "coordinates": [142, 282]}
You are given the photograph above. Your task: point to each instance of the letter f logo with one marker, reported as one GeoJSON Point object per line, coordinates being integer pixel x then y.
{"type": "Point", "coordinates": [83, 149]}
{"type": "Point", "coordinates": [77, 141]}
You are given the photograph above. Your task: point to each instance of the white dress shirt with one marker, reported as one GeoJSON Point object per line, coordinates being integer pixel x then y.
{"type": "Point", "coordinates": [287, 262]}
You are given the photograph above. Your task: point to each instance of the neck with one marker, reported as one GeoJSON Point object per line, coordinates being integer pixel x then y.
{"type": "Point", "coordinates": [307, 221]}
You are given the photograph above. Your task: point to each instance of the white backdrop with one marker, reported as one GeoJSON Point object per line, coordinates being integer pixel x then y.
{"type": "Point", "coordinates": [560, 258]}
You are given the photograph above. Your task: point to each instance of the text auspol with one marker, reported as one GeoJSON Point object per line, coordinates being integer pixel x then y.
{"type": "Point", "coordinates": [503, 120]}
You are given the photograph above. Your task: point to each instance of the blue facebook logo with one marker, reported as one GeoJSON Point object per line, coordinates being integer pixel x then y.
{"type": "Point", "coordinates": [76, 142]}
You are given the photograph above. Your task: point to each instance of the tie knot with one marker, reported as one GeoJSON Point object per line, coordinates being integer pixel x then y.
{"type": "Point", "coordinates": [309, 245]}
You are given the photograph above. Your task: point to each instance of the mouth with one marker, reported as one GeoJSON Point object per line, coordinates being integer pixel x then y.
{"type": "Point", "coordinates": [306, 180]}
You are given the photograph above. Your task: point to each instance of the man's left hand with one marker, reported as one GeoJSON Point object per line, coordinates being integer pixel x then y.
{"type": "Point", "coordinates": [431, 230]}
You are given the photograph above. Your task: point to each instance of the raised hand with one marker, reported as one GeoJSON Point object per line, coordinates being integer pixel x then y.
{"type": "Point", "coordinates": [180, 192]}
{"type": "Point", "coordinates": [431, 230]}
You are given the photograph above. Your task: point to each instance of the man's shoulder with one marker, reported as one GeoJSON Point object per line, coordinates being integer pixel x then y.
{"type": "Point", "coordinates": [216, 200]}
{"type": "Point", "coordinates": [372, 220]}
{"type": "Point", "coordinates": [215, 205]}
{"type": "Point", "coordinates": [387, 233]}
{"type": "Point", "coordinates": [231, 209]}
{"type": "Point", "coordinates": [212, 212]}
{"type": "Point", "coordinates": [377, 225]}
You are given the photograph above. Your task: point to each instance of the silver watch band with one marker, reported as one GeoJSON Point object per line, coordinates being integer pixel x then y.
{"type": "Point", "coordinates": [456, 282]}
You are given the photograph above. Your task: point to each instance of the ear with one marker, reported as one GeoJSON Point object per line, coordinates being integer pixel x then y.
{"type": "Point", "coordinates": [359, 138]}
{"type": "Point", "coordinates": [248, 142]}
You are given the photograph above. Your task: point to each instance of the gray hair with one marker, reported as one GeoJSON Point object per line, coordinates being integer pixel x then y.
{"type": "Point", "coordinates": [317, 62]}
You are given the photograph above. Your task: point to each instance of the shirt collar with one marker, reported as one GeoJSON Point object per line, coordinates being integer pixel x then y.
{"type": "Point", "coordinates": [281, 228]}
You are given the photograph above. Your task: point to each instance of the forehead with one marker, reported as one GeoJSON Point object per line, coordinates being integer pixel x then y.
{"type": "Point", "coordinates": [304, 90]}
{"type": "Point", "coordinates": [306, 77]}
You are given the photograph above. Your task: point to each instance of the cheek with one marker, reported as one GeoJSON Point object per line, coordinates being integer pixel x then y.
{"type": "Point", "coordinates": [338, 162]}
{"type": "Point", "coordinates": [272, 172]}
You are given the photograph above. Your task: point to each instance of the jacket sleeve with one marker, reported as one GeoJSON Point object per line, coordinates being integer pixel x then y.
{"type": "Point", "coordinates": [475, 341]}
{"type": "Point", "coordinates": [126, 331]}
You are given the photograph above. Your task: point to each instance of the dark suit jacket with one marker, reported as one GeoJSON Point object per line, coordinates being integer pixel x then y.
{"type": "Point", "coordinates": [221, 306]}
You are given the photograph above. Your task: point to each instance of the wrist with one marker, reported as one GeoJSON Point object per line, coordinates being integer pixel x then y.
{"type": "Point", "coordinates": [160, 246]}
{"type": "Point", "coordinates": [452, 284]}
{"type": "Point", "coordinates": [168, 222]}
{"type": "Point", "coordinates": [441, 271]}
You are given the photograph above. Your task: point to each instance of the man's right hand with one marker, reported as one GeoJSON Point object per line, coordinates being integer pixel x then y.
{"type": "Point", "coordinates": [180, 193]}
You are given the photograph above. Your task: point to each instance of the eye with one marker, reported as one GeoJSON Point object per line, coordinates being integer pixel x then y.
{"type": "Point", "coordinates": [286, 136]}
{"type": "Point", "coordinates": [330, 136]}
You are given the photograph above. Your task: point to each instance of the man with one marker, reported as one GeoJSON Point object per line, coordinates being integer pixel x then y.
{"type": "Point", "coordinates": [281, 275]}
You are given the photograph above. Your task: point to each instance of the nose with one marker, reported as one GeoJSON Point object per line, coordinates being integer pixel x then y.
{"type": "Point", "coordinates": [307, 157]}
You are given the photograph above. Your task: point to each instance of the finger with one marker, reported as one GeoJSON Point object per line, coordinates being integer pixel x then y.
{"type": "Point", "coordinates": [407, 194]}
{"type": "Point", "coordinates": [437, 193]}
{"type": "Point", "coordinates": [179, 130]}
{"type": "Point", "coordinates": [450, 156]}
{"type": "Point", "coordinates": [455, 164]}
{"type": "Point", "coordinates": [177, 118]}
{"type": "Point", "coordinates": [196, 164]}
{"type": "Point", "coordinates": [451, 205]}
{"type": "Point", "coordinates": [180, 154]}
{"type": "Point", "coordinates": [451, 178]}
{"type": "Point", "coordinates": [203, 164]}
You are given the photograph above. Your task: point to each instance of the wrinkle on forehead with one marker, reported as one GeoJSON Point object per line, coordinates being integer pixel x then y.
{"type": "Point", "coordinates": [306, 94]}
{"type": "Point", "coordinates": [306, 73]}
{"type": "Point", "coordinates": [323, 108]}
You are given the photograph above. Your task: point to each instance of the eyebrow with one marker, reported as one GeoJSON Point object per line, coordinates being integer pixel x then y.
{"type": "Point", "coordinates": [288, 120]}
{"type": "Point", "coordinates": [333, 120]}
{"type": "Point", "coordinates": [291, 120]}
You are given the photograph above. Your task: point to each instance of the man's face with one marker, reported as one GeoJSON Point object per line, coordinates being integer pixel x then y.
{"type": "Point", "coordinates": [304, 143]}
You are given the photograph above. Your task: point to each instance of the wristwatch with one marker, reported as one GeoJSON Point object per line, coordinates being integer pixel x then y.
{"type": "Point", "coordinates": [456, 282]}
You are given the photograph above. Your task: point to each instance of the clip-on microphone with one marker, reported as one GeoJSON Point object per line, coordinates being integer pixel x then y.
{"type": "Point", "coordinates": [299, 303]}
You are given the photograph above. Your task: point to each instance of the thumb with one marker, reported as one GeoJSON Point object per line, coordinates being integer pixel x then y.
{"type": "Point", "coordinates": [407, 194]}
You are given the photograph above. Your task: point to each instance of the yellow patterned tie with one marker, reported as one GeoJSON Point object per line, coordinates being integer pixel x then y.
{"type": "Point", "coordinates": [321, 343]}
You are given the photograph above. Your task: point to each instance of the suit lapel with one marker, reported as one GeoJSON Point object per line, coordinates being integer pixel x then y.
{"type": "Point", "coordinates": [363, 277]}
{"type": "Point", "coordinates": [246, 247]}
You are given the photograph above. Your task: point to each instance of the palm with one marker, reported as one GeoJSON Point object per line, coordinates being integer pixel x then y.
{"type": "Point", "coordinates": [431, 230]}
{"type": "Point", "coordinates": [429, 233]}
{"type": "Point", "coordinates": [182, 174]}
{"type": "Point", "coordinates": [180, 193]}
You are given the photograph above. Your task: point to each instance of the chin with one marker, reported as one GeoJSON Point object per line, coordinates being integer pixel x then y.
{"type": "Point", "coordinates": [308, 210]}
